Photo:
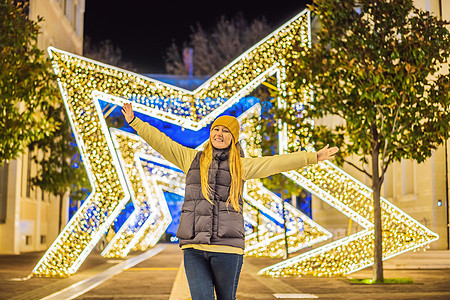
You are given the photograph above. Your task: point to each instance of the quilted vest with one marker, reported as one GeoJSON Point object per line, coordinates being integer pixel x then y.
{"type": "Point", "coordinates": [202, 222]}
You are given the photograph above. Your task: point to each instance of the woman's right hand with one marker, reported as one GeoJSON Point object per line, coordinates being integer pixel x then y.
{"type": "Point", "coordinates": [127, 112]}
{"type": "Point", "coordinates": [326, 153]}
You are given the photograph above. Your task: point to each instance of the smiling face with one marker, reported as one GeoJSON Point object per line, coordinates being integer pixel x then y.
{"type": "Point", "coordinates": [220, 137]}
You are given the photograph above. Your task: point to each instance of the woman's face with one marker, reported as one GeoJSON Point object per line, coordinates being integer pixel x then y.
{"type": "Point", "coordinates": [220, 137]}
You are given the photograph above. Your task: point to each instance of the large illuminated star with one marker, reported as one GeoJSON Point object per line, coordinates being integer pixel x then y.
{"type": "Point", "coordinates": [83, 81]}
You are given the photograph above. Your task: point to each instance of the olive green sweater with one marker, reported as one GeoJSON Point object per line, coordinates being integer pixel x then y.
{"type": "Point", "coordinates": [253, 168]}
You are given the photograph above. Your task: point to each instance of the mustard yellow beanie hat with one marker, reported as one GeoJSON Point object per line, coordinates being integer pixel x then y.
{"type": "Point", "coordinates": [229, 122]}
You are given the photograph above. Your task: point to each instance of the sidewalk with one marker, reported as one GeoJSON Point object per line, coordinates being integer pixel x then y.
{"type": "Point", "coordinates": [159, 277]}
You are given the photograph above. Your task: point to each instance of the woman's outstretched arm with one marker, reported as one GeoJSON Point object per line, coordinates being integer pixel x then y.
{"type": "Point", "coordinates": [175, 153]}
{"type": "Point", "coordinates": [260, 167]}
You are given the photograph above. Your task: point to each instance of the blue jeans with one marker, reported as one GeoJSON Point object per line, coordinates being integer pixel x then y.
{"type": "Point", "coordinates": [208, 270]}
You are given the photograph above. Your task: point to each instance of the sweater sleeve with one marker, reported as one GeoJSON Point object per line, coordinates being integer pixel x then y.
{"type": "Point", "coordinates": [175, 153]}
{"type": "Point", "coordinates": [260, 167]}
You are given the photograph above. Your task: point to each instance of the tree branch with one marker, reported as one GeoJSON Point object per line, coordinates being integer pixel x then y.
{"type": "Point", "coordinates": [385, 140]}
{"type": "Point", "coordinates": [384, 168]}
{"type": "Point", "coordinates": [392, 132]}
{"type": "Point", "coordinates": [358, 168]}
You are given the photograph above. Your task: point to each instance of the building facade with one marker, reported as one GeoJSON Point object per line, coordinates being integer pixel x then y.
{"type": "Point", "coordinates": [29, 217]}
{"type": "Point", "coordinates": [420, 190]}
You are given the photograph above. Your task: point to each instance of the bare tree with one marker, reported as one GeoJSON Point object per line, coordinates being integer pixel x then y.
{"type": "Point", "coordinates": [105, 52]}
{"type": "Point", "coordinates": [214, 49]}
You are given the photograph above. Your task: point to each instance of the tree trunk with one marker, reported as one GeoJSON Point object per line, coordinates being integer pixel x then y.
{"type": "Point", "coordinates": [61, 197]}
{"type": "Point", "coordinates": [376, 187]}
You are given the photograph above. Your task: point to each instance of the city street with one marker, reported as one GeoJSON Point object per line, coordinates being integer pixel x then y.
{"type": "Point", "coordinates": [316, 130]}
{"type": "Point", "coordinates": [159, 277]}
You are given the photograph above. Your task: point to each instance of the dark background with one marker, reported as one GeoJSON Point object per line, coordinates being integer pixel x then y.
{"type": "Point", "coordinates": [143, 30]}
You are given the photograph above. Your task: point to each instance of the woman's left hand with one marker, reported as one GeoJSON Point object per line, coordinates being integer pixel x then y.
{"type": "Point", "coordinates": [326, 153]}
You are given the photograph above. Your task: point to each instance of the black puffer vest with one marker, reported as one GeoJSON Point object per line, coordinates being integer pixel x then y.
{"type": "Point", "coordinates": [202, 222]}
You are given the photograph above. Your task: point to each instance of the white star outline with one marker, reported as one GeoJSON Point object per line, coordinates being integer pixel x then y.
{"type": "Point", "coordinates": [204, 121]}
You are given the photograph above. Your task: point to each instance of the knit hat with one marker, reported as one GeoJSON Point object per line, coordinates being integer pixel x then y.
{"type": "Point", "coordinates": [229, 122]}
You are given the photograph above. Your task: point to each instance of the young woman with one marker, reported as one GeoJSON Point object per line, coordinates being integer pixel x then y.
{"type": "Point", "coordinates": [211, 229]}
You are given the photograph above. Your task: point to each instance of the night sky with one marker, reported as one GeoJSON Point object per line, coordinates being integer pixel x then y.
{"type": "Point", "coordinates": [144, 29]}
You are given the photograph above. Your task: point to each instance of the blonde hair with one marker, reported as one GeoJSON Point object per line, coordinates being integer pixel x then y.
{"type": "Point", "coordinates": [235, 172]}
